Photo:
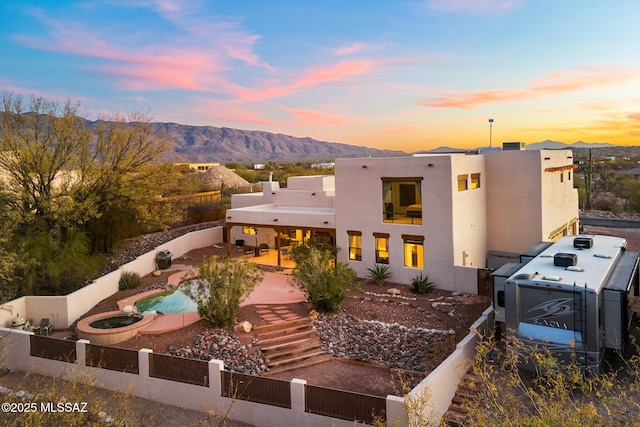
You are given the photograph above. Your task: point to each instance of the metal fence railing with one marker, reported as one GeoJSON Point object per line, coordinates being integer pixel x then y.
{"type": "Point", "coordinates": [52, 348]}
{"type": "Point", "coordinates": [344, 405]}
{"type": "Point", "coordinates": [113, 358]}
{"type": "Point", "coordinates": [269, 391]}
{"type": "Point", "coordinates": [180, 369]}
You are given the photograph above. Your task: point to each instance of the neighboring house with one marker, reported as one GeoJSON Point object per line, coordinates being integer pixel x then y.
{"type": "Point", "coordinates": [439, 215]}
{"type": "Point", "coordinates": [199, 166]}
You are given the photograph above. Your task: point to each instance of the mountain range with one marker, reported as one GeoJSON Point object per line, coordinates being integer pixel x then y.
{"type": "Point", "coordinates": [213, 144]}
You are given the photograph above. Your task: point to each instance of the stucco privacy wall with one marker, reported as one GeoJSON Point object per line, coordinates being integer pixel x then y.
{"type": "Point", "coordinates": [439, 386]}
{"type": "Point", "coordinates": [205, 399]}
{"type": "Point", "coordinates": [64, 310]}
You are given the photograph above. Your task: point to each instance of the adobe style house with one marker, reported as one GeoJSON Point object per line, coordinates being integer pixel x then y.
{"type": "Point", "coordinates": [439, 215]}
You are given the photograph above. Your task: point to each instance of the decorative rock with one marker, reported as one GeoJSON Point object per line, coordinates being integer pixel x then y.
{"type": "Point", "coordinates": [392, 345]}
{"type": "Point", "coordinates": [20, 394]}
{"type": "Point", "coordinates": [313, 315]}
{"type": "Point", "coordinates": [393, 291]}
{"type": "Point", "coordinates": [243, 326]}
{"type": "Point", "coordinates": [157, 273]}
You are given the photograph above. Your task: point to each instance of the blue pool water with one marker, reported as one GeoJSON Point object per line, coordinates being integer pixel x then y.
{"type": "Point", "coordinates": [168, 302]}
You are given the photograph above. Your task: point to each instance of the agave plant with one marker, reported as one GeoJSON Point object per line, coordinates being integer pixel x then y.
{"type": "Point", "coordinates": [379, 273]}
{"type": "Point", "coordinates": [422, 285]}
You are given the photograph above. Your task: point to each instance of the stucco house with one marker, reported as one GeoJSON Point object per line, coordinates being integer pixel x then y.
{"type": "Point", "coordinates": [440, 215]}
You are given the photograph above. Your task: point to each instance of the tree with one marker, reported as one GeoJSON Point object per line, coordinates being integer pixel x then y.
{"type": "Point", "coordinates": [63, 178]}
{"type": "Point", "coordinates": [323, 281]}
{"type": "Point", "coordinates": [219, 287]}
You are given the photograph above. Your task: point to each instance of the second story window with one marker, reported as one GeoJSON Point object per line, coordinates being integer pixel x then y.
{"type": "Point", "coordinates": [402, 200]}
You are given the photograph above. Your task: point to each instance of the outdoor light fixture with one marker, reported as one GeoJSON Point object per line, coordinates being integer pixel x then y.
{"type": "Point", "coordinates": [228, 217]}
{"type": "Point", "coordinates": [313, 194]}
{"type": "Point", "coordinates": [275, 220]}
{"type": "Point", "coordinates": [364, 166]}
{"type": "Point", "coordinates": [430, 165]}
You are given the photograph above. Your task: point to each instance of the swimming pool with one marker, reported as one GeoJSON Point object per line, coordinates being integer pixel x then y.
{"type": "Point", "coordinates": [174, 301]}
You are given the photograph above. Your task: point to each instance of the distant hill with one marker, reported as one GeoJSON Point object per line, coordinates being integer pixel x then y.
{"type": "Point", "coordinates": [554, 145]}
{"type": "Point", "coordinates": [213, 144]}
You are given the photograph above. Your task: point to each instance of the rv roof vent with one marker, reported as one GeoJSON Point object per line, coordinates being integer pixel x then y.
{"type": "Point", "coordinates": [524, 276]}
{"type": "Point", "coordinates": [602, 256]}
{"type": "Point", "coordinates": [552, 278]}
{"type": "Point", "coordinates": [583, 242]}
{"type": "Point", "coordinates": [563, 259]}
{"type": "Point", "coordinates": [574, 268]}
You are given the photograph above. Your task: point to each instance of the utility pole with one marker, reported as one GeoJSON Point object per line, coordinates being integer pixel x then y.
{"type": "Point", "coordinates": [490, 130]}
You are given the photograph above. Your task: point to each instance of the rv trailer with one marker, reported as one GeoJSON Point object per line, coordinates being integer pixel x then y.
{"type": "Point", "coordinates": [575, 298]}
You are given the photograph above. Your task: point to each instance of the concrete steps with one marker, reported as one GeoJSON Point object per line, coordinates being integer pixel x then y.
{"type": "Point", "coordinates": [290, 345]}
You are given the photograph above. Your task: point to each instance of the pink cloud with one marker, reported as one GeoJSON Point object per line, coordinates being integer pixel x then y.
{"type": "Point", "coordinates": [327, 74]}
{"type": "Point", "coordinates": [555, 83]}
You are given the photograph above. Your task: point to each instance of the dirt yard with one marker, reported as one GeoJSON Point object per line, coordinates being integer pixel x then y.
{"type": "Point", "coordinates": [439, 310]}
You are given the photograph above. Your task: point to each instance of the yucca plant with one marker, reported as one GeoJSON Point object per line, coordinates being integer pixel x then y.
{"type": "Point", "coordinates": [379, 273]}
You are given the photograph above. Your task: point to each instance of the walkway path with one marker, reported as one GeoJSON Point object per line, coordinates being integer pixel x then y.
{"type": "Point", "coordinates": [269, 298]}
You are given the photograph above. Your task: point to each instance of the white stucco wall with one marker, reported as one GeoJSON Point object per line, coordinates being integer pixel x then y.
{"type": "Point", "coordinates": [525, 203]}
{"type": "Point", "coordinates": [452, 223]}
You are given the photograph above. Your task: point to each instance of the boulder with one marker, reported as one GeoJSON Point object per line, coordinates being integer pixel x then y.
{"type": "Point", "coordinates": [393, 292]}
{"type": "Point", "coordinates": [243, 326]}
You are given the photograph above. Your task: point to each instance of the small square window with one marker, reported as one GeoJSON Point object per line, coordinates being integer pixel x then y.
{"type": "Point", "coordinates": [475, 180]}
{"type": "Point", "coordinates": [462, 182]}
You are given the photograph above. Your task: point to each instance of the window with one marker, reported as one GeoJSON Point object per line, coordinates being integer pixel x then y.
{"type": "Point", "coordinates": [249, 230]}
{"type": "Point", "coordinates": [355, 245]}
{"type": "Point", "coordinates": [382, 248]}
{"type": "Point", "coordinates": [413, 251]}
{"type": "Point", "coordinates": [402, 200]}
{"type": "Point", "coordinates": [475, 180]}
{"type": "Point", "coordinates": [561, 176]}
{"type": "Point", "coordinates": [462, 182]}
{"type": "Point", "coordinates": [569, 175]}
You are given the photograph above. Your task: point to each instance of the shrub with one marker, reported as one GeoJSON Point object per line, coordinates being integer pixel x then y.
{"type": "Point", "coordinates": [129, 280]}
{"type": "Point", "coordinates": [379, 273]}
{"type": "Point", "coordinates": [220, 287]}
{"type": "Point", "coordinates": [559, 394]}
{"type": "Point", "coordinates": [320, 278]}
{"type": "Point", "coordinates": [422, 285]}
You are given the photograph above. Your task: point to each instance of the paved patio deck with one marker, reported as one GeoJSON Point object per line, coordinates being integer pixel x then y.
{"type": "Point", "coordinates": [275, 288]}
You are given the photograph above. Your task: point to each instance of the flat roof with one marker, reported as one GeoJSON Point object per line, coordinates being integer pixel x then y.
{"type": "Point", "coordinates": [592, 269]}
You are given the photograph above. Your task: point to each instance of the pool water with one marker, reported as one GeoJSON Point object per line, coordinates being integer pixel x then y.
{"type": "Point", "coordinates": [168, 302]}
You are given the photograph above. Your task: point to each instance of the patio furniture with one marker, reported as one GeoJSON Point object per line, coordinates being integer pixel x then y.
{"type": "Point", "coordinates": [264, 248]}
{"type": "Point", "coordinates": [44, 328]}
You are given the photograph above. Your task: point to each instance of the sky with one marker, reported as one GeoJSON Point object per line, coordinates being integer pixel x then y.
{"type": "Point", "coordinates": [402, 75]}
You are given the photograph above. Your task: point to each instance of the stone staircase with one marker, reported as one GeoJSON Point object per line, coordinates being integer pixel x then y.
{"type": "Point", "coordinates": [290, 345]}
{"type": "Point", "coordinates": [457, 414]}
